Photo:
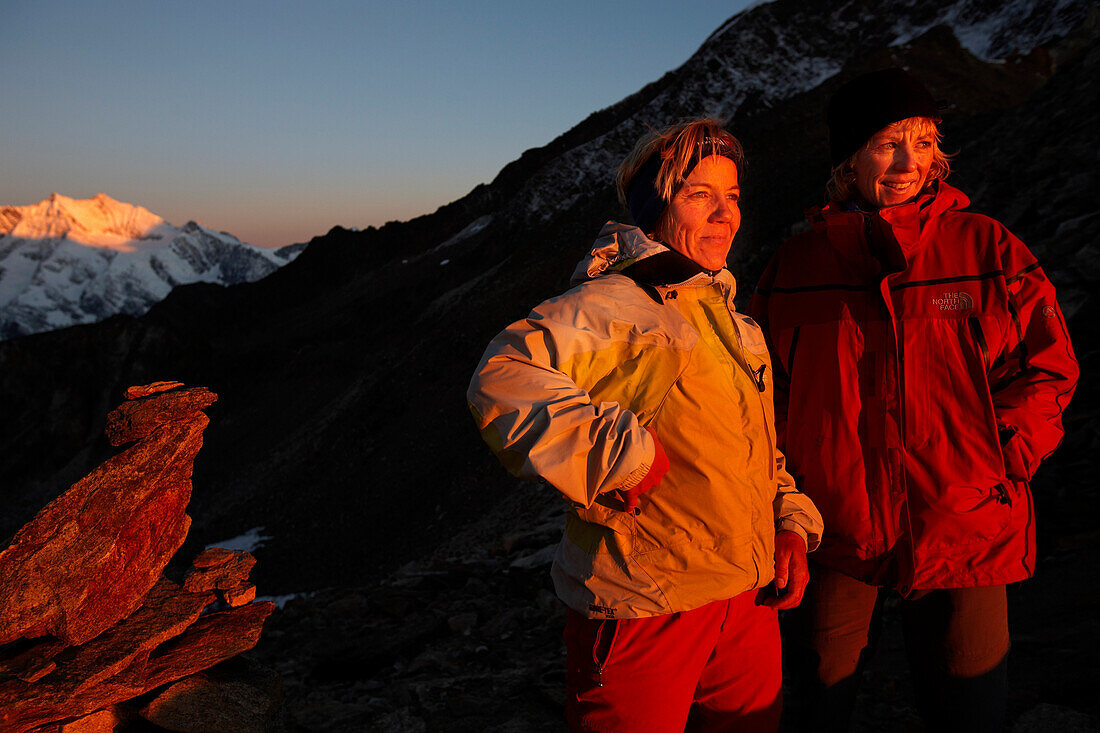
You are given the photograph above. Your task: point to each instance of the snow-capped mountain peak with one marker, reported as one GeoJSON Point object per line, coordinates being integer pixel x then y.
{"type": "Point", "coordinates": [66, 261]}
{"type": "Point", "coordinates": [99, 221]}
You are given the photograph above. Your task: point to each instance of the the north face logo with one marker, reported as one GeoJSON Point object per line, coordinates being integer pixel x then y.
{"type": "Point", "coordinates": [960, 301]}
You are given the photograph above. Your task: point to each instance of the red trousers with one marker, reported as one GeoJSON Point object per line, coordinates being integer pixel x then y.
{"type": "Point", "coordinates": [715, 668]}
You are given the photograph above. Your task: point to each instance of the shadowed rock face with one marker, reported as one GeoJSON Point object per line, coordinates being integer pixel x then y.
{"type": "Point", "coordinates": [242, 701]}
{"type": "Point", "coordinates": [86, 615]}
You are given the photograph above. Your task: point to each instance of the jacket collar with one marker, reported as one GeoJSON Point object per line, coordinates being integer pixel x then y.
{"type": "Point", "coordinates": [653, 266]}
{"type": "Point", "coordinates": [665, 268]}
{"type": "Point", "coordinates": [896, 230]}
{"type": "Point", "coordinates": [621, 247]}
{"type": "Point", "coordinates": [937, 197]}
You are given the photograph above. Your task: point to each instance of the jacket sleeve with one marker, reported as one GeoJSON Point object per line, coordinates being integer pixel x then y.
{"type": "Point", "coordinates": [1034, 376]}
{"type": "Point", "coordinates": [541, 424]}
{"type": "Point", "coordinates": [794, 510]}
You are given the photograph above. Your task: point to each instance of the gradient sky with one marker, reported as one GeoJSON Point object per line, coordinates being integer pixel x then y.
{"type": "Point", "coordinates": [277, 120]}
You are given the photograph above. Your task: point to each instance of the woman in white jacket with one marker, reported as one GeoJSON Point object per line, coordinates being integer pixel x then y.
{"type": "Point", "coordinates": [643, 396]}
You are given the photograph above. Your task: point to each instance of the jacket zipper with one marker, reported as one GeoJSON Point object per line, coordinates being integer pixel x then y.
{"type": "Point", "coordinates": [979, 339]}
{"type": "Point", "coordinates": [790, 354]}
{"type": "Point", "coordinates": [905, 585]}
{"type": "Point", "coordinates": [607, 626]}
{"type": "Point", "coordinates": [999, 494]}
{"type": "Point", "coordinates": [758, 377]}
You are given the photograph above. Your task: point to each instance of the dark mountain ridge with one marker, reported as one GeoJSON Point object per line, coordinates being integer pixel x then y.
{"type": "Point", "coordinates": [341, 427]}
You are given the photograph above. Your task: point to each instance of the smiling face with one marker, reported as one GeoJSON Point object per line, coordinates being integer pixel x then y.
{"type": "Point", "coordinates": [893, 167]}
{"type": "Point", "coordinates": [703, 215]}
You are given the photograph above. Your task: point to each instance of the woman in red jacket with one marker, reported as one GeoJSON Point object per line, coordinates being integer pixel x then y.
{"type": "Point", "coordinates": [921, 366]}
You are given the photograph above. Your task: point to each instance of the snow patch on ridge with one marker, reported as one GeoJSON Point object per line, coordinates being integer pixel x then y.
{"type": "Point", "coordinates": [281, 601]}
{"type": "Point", "coordinates": [471, 229]}
{"type": "Point", "coordinates": [248, 542]}
{"type": "Point", "coordinates": [993, 31]}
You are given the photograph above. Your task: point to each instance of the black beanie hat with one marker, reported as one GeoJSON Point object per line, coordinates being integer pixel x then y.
{"type": "Point", "coordinates": [870, 102]}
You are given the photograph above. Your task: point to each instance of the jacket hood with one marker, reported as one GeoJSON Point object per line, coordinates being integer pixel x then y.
{"type": "Point", "coordinates": [617, 247]}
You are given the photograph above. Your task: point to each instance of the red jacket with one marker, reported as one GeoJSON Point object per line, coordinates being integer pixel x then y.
{"type": "Point", "coordinates": [921, 368]}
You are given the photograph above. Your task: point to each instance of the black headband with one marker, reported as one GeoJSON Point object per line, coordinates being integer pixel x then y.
{"type": "Point", "coordinates": [642, 197]}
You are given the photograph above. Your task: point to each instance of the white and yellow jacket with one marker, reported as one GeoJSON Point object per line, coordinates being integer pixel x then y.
{"type": "Point", "coordinates": [565, 395]}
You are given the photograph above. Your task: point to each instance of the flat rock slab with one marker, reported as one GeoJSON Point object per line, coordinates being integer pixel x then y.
{"type": "Point", "coordinates": [213, 557]}
{"type": "Point", "coordinates": [89, 557]}
{"type": "Point", "coordinates": [144, 390]}
{"type": "Point", "coordinates": [165, 614]}
{"type": "Point", "coordinates": [239, 596]}
{"type": "Point", "coordinates": [101, 721]}
{"type": "Point", "coordinates": [219, 569]}
{"type": "Point", "coordinates": [211, 639]}
{"type": "Point", "coordinates": [138, 418]}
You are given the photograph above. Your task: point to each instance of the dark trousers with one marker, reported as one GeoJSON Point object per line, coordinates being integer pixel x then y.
{"type": "Point", "coordinates": [956, 641]}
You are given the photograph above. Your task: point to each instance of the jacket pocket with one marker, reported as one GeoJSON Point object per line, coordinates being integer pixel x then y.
{"type": "Point", "coordinates": [1011, 453]}
{"type": "Point", "coordinates": [600, 529]}
{"type": "Point", "coordinates": [946, 368]}
{"type": "Point", "coordinates": [967, 515]}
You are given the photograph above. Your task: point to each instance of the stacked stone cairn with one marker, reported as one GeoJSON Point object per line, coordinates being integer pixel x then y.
{"type": "Point", "coordinates": [88, 620]}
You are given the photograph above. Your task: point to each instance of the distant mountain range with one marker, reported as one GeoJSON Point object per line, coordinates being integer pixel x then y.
{"type": "Point", "coordinates": [67, 261]}
{"type": "Point", "coordinates": [341, 427]}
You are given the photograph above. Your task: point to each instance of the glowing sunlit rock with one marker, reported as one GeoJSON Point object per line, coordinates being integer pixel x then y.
{"type": "Point", "coordinates": [87, 621]}
{"type": "Point", "coordinates": [211, 639]}
{"type": "Point", "coordinates": [136, 418]}
{"type": "Point", "coordinates": [87, 559]}
{"type": "Point", "coordinates": [231, 570]}
{"type": "Point", "coordinates": [240, 595]}
{"type": "Point", "coordinates": [132, 393]}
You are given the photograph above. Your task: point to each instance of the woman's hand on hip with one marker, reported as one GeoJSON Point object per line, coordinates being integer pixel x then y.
{"type": "Point", "coordinates": [657, 470]}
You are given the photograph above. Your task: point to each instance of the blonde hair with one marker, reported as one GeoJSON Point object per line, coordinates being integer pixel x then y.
{"type": "Point", "coordinates": [842, 183]}
{"type": "Point", "coordinates": [679, 145]}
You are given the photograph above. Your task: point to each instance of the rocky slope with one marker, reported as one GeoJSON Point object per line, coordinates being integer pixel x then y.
{"type": "Point", "coordinates": [469, 639]}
